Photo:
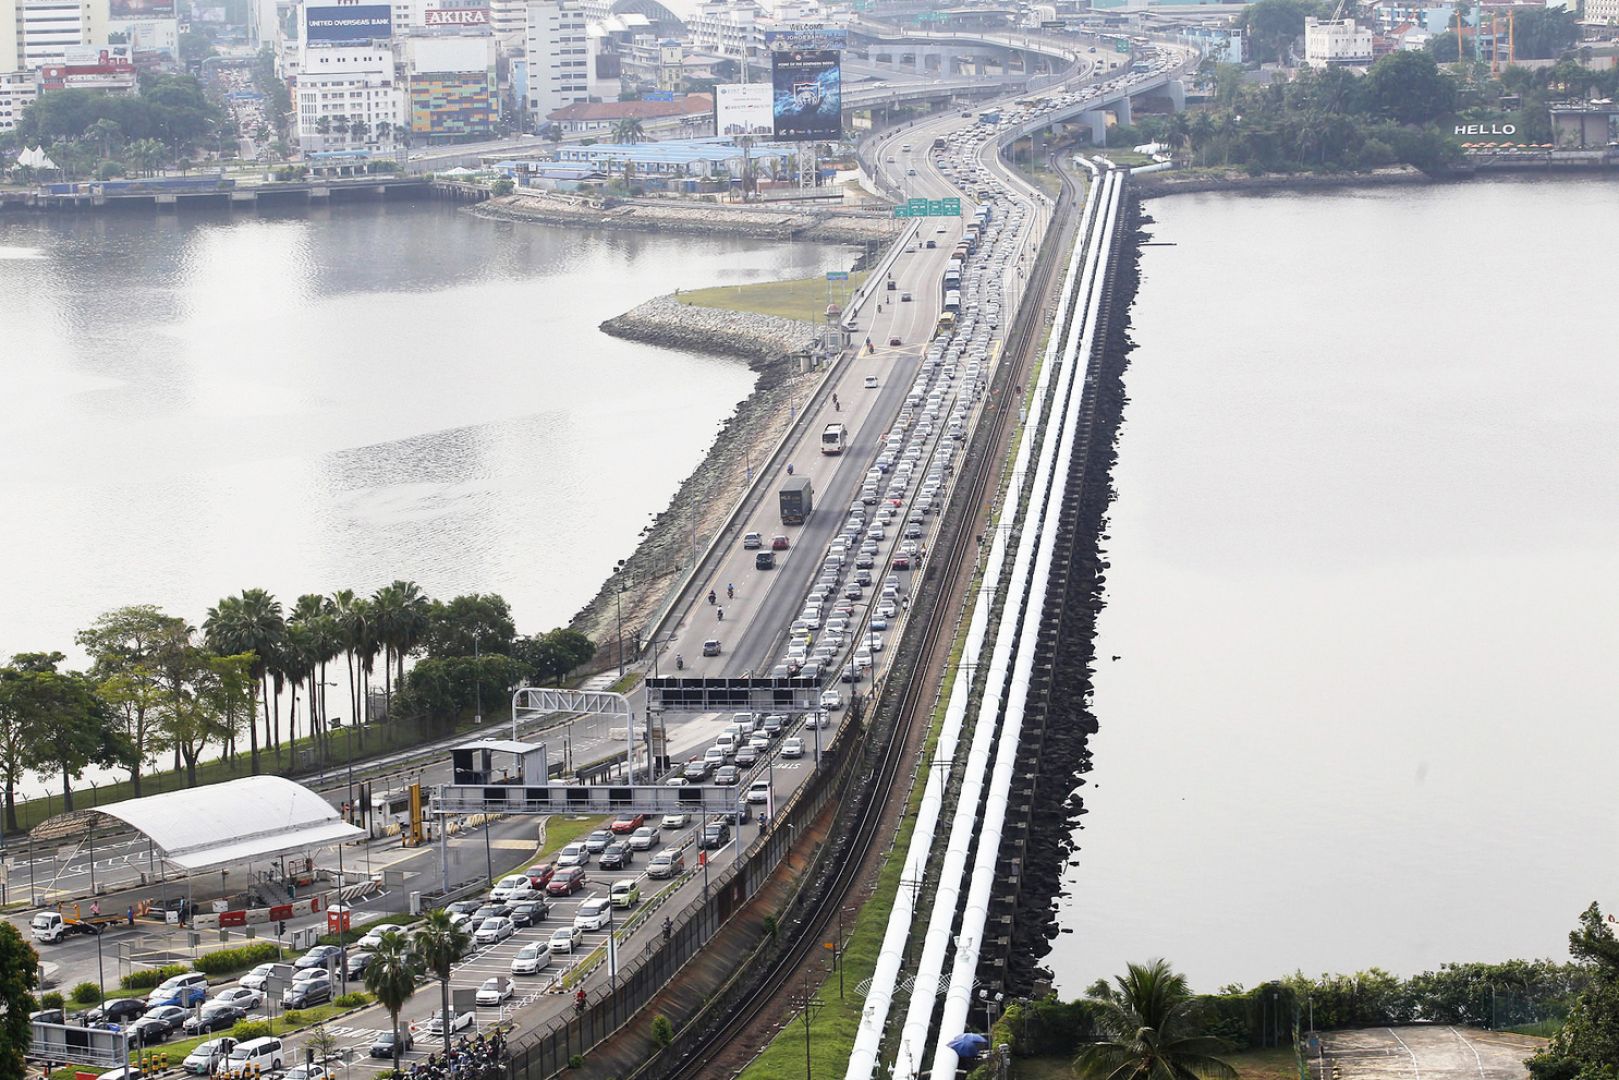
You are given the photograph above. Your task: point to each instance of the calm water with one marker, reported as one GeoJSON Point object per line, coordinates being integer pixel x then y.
{"type": "Point", "coordinates": [1364, 589]}
{"type": "Point", "coordinates": [196, 405]}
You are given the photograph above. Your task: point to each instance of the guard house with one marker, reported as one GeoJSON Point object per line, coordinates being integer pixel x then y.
{"type": "Point", "coordinates": [494, 762]}
{"type": "Point", "coordinates": [1585, 125]}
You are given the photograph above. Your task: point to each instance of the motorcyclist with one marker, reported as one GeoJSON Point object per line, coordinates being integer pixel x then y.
{"type": "Point", "coordinates": [680, 662]}
{"type": "Point", "coordinates": [721, 613]}
{"type": "Point", "coordinates": [711, 597]}
{"type": "Point", "coordinates": [579, 999]}
{"type": "Point", "coordinates": [730, 592]}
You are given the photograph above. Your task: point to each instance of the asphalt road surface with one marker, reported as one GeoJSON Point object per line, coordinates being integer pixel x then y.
{"type": "Point", "coordinates": [1422, 1053]}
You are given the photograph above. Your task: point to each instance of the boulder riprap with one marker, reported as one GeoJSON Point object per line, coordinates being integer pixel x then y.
{"type": "Point", "coordinates": [665, 321]}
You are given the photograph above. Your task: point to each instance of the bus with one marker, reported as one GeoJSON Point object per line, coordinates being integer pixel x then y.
{"type": "Point", "coordinates": [947, 322]}
{"type": "Point", "coordinates": [834, 439]}
{"type": "Point", "coordinates": [952, 304]}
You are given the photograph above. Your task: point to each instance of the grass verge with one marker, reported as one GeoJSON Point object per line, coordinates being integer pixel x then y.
{"type": "Point", "coordinates": [804, 299]}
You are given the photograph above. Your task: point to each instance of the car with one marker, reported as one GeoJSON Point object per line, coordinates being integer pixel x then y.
{"type": "Point", "coordinates": [644, 839]}
{"type": "Point", "coordinates": [894, 341]}
{"type": "Point", "coordinates": [495, 990]}
{"type": "Point", "coordinates": [436, 1025]}
{"type": "Point", "coordinates": [831, 699]}
{"type": "Point", "coordinates": [696, 770]}
{"type": "Point", "coordinates": [747, 756]}
{"type": "Point", "coordinates": [568, 881]}
{"type": "Point", "coordinates": [173, 1016]}
{"type": "Point", "coordinates": [494, 930]}
{"type": "Point", "coordinates": [625, 894]}
{"type": "Point", "coordinates": [815, 719]}
{"type": "Point", "coordinates": [490, 911]}
{"type": "Point", "coordinates": [530, 959]}
{"type": "Point", "coordinates": [539, 875]}
{"type": "Point", "coordinates": [716, 834]}
{"type": "Point", "coordinates": [711, 647]}
{"type": "Point", "coordinates": [727, 775]}
{"type": "Point", "coordinates": [571, 857]}
{"type": "Point", "coordinates": [357, 963]}
{"type": "Point", "coordinates": [625, 824]}
{"type": "Point", "coordinates": [878, 622]}
{"type": "Point", "coordinates": [309, 992]}
{"type": "Point", "coordinates": [464, 907]}
{"type": "Point", "coordinates": [565, 939]}
{"type": "Point", "coordinates": [905, 298]}
{"type": "Point", "coordinates": [373, 936]}
{"type": "Point", "coordinates": [596, 842]}
{"type": "Point", "coordinates": [778, 543]}
{"type": "Point", "coordinates": [318, 957]}
{"type": "Point", "coordinates": [674, 821]}
{"type": "Point", "coordinates": [752, 540]}
{"type": "Point", "coordinates": [871, 382]}
{"type": "Point", "coordinates": [146, 1031]}
{"type": "Point", "coordinates": [206, 1058]}
{"type": "Point", "coordinates": [183, 990]}
{"type": "Point", "coordinates": [617, 856]}
{"type": "Point", "coordinates": [383, 1045]}
{"type": "Point", "coordinates": [933, 243]}
{"type": "Point", "coordinates": [902, 562]}
{"type": "Point", "coordinates": [529, 912]}
{"type": "Point", "coordinates": [48, 1016]}
{"type": "Point", "coordinates": [667, 863]}
{"type": "Point", "coordinates": [594, 914]}
{"type": "Point", "coordinates": [759, 792]}
{"type": "Point", "coordinates": [765, 560]}
{"type": "Point", "coordinates": [214, 1016]}
{"type": "Point", "coordinates": [515, 887]}
{"type": "Point", "coordinates": [243, 997]}
{"type": "Point", "coordinates": [773, 724]}
{"type": "Point", "coordinates": [676, 781]}
{"type": "Point", "coordinates": [310, 1071]}
{"type": "Point", "coordinates": [793, 748]}
{"type": "Point", "coordinates": [117, 1011]}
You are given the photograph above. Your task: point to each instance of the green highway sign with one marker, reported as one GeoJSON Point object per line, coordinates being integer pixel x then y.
{"type": "Point", "coordinates": [929, 208]}
{"type": "Point", "coordinates": [952, 208]}
{"type": "Point", "coordinates": [837, 275]}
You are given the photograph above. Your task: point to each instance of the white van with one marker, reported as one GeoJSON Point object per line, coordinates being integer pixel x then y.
{"type": "Point", "coordinates": [265, 1053]}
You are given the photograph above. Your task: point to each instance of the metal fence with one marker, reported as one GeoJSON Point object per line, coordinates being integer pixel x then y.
{"type": "Point", "coordinates": [644, 972]}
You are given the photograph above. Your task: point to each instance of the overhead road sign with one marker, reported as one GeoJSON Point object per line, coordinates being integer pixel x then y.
{"type": "Point", "coordinates": [929, 208]}
{"type": "Point", "coordinates": [794, 694]}
{"type": "Point", "coordinates": [561, 798]}
{"type": "Point", "coordinates": [837, 275]}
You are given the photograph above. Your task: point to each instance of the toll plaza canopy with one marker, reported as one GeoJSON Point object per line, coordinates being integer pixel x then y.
{"type": "Point", "coordinates": [246, 820]}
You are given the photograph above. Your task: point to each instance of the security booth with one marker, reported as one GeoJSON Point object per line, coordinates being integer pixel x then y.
{"type": "Point", "coordinates": [490, 762]}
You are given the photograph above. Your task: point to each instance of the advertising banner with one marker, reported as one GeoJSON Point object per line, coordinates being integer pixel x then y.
{"type": "Point", "coordinates": [455, 16]}
{"type": "Point", "coordinates": [99, 57]}
{"type": "Point", "coordinates": [347, 25]}
{"type": "Point", "coordinates": [744, 109]}
{"type": "Point", "coordinates": [808, 96]}
{"type": "Point", "coordinates": [140, 9]}
{"type": "Point", "coordinates": [807, 39]}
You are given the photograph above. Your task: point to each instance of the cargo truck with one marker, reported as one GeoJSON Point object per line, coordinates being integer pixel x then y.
{"type": "Point", "coordinates": [797, 500]}
{"type": "Point", "coordinates": [52, 926]}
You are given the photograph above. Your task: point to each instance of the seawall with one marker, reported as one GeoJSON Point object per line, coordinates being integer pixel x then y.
{"type": "Point", "coordinates": [762, 221]}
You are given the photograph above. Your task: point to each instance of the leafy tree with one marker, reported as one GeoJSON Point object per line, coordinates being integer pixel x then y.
{"type": "Point", "coordinates": [1587, 1045]}
{"type": "Point", "coordinates": [13, 741]}
{"type": "Point", "coordinates": [65, 726]}
{"type": "Point", "coordinates": [1149, 1031]}
{"type": "Point", "coordinates": [469, 624]}
{"type": "Point", "coordinates": [449, 688]}
{"type": "Point", "coordinates": [1445, 48]}
{"type": "Point", "coordinates": [1273, 26]}
{"type": "Point", "coordinates": [551, 656]}
{"type": "Point", "coordinates": [1544, 33]}
{"type": "Point", "coordinates": [391, 977]}
{"type": "Point", "coordinates": [19, 976]}
{"type": "Point", "coordinates": [438, 946]}
{"type": "Point", "coordinates": [1408, 88]}
{"type": "Point", "coordinates": [124, 646]}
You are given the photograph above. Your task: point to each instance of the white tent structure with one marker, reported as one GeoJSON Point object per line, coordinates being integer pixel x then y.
{"type": "Point", "coordinates": [35, 158]}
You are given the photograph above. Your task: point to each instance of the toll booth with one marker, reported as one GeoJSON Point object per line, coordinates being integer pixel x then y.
{"type": "Point", "coordinates": [491, 762]}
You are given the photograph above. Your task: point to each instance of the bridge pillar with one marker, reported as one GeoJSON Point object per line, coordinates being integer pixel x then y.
{"type": "Point", "coordinates": [1176, 92]}
{"type": "Point", "coordinates": [1096, 119]}
{"type": "Point", "coordinates": [1122, 110]}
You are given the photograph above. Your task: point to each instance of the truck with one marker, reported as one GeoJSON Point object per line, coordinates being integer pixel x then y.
{"type": "Point", "coordinates": [52, 926]}
{"type": "Point", "coordinates": [797, 500]}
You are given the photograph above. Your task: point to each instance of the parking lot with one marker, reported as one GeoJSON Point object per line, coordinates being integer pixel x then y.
{"type": "Point", "coordinates": [1422, 1053]}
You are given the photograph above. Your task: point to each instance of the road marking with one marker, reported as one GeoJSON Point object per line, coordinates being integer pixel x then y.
{"type": "Point", "coordinates": [1407, 1049]}
{"type": "Point", "coordinates": [1478, 1060]}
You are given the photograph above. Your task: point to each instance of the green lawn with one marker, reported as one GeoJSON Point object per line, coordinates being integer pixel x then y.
{"type": "Point", "coordinates": [804, 299]}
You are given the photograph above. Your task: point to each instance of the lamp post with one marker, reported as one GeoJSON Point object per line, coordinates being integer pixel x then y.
{"type": "Point", "coordinates": [992, 1006]}
{"type": "Point", "coordinates": [477, 675]}
{"type": "Point", "coordinates": [618, 604]}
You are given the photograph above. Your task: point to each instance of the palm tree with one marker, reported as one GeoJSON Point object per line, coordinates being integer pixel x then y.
{"type": "Point", "coordinates": [1148, 1032]}
{"type": "Point", "coordinates": [250, 623]}
{"type": "Point", "coordinates": [351, 614]}
{"type": "Point", "coordinates": [438, 946]}
{"type": "Point", "coordinates": [391, 977]}
{"type": "Point", "coordinates": [629, 131]}
{"type": "Point", "coordinates": [401, 619]}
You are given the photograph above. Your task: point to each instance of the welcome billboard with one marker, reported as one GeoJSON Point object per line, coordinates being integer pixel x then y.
{"type": "Point", "coordinates": [347, 25]}
{"type": "Point", "coordinates": [807, 90]}
{"type": "Point", "coordinates": [744, 109]}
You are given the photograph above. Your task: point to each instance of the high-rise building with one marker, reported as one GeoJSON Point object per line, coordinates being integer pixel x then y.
{"type": "Point", "coordinates": [18, 90]}
{"type": "Point", "coordinates": [38, 32]}
{"type": "Point", "coordinates": [348, 99]}
{"type": "Point", "coordinates": [558, 54]}
{"type": "Point", "coordinates": [452, 85]}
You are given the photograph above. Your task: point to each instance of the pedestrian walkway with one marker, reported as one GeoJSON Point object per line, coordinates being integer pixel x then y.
{"type": "Point", "coordinates": [599, 682]}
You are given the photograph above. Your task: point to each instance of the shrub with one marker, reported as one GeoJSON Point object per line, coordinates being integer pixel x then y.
{"type": "Point", "coordinates": [577, 1061]}
{"type": "Point", "coordinates": [150, 977]}
{"type": "Point", "coordinates": [53, 1000]}
{"type": "Point", "coordinates": [228, 961]}
{"type": "Point", "coordinates": [294, 1018]}
{"type": "Point", "coordinates": [503, 186]}
{"type": "Point", "coordinates": [352, 1000]}
{"type": "Point", "coordinates": [251, 1029]}
{"type": "Point", "coordinates": [663, 1032]}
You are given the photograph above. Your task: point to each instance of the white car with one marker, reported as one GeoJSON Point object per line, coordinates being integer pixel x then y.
{"type": "Point", "coordinates": [494, 991]}
{"type": "Point", "coordinates": [564, 939]}
{"type": "Point", "coordinates": [644, 839]}
{"type": "Point", "coordinates": [831, 699]}
{"type": "Point", "coordinates": [673, 821]}
{"type": "Point", "coordinates": [759, 792]}
{"type": "Point", "coordinates": [435, 1026]}
{"type": "Point", "coordinates": [594, 914]}
{"type": "Point", "coordinates": [495, 929]}
{"type": "Point", "coordinates": [792, 748]}
{"type": "Point", "coordinates": [575, 854]}
{"type": "Point", "coordinates": [516, 887]}
{"type": "Point", "coordinates": [530, 959]}
{"type": "Point", "coordinates": [257, 978]}
{"type": "Point", "coordinates": [243, 997]}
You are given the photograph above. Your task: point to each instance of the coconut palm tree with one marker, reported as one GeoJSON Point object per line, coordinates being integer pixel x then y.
{"type": "Point", "coordinates": [438, 946]}
{"type": "Point", "coordinates": [629, 131]}
{"type": "Point", "coordinates": [391, 977]}
{"type": "Point", "coordinates": [250, 623]}
{"type": "Point", "coordinates": [401, 620]}
{"type": "Point", "coordinates": [1148, 1031]}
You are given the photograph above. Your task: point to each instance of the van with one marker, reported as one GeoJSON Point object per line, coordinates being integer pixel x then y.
{"type": "Point", "coordinates": [726, 742]}
{"type": "Point", "coordinates": [256, 1055]}
{"type": "Point", "coordinates": [667, 863]}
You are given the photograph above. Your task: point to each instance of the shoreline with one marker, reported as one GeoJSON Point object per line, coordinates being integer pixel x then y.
{"type": "Point", "coordinates": [1157, 185]}
{"type": "Point", "coordinates": [786, 221]}
{"type": "Point", "coordinates": [663, 553]}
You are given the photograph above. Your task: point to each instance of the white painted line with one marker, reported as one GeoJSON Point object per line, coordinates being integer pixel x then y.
{"type": "Point", "coordinates": [1478, 1060]}
{"type": "Point", "coordinates": [1401, 1041]}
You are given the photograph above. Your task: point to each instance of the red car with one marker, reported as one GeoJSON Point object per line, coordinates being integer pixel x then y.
{"type": "Point", "coordinates": [628, 823]}
{"type": "Point", "coordinates": [778, 543]}
{"type": "Point", "coordinates": [566, 881]}
{"type": "Point", "coordinates": [902, 562]}
{"type": "Point", "coordinates": [538, 876]}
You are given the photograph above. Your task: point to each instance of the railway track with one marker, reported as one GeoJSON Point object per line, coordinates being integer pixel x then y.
{"type": "Point", "coordinates": [980, 471]}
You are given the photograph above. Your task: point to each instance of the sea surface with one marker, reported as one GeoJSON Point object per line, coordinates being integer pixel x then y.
{"type": "Point", "coordinates": [1356, 681]}
{"type": "Point", "coordinates": [195, 404]}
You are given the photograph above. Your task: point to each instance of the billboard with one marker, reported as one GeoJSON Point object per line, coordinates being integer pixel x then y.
{"type": "Point", "coordinates": [99, 57]}
{"type": "Point", "coordinates": [349, 25]}
{"type": "Point", "coordinates": [807, 39]}
{"type": "Point", "coordinates": [140, 9]}
{"type": "Point", "coordinates": [456, 16]}
{"type": "Point", "coordinates": [807, 95]}
{"type": "Point", "coordinates": [744, 109]}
